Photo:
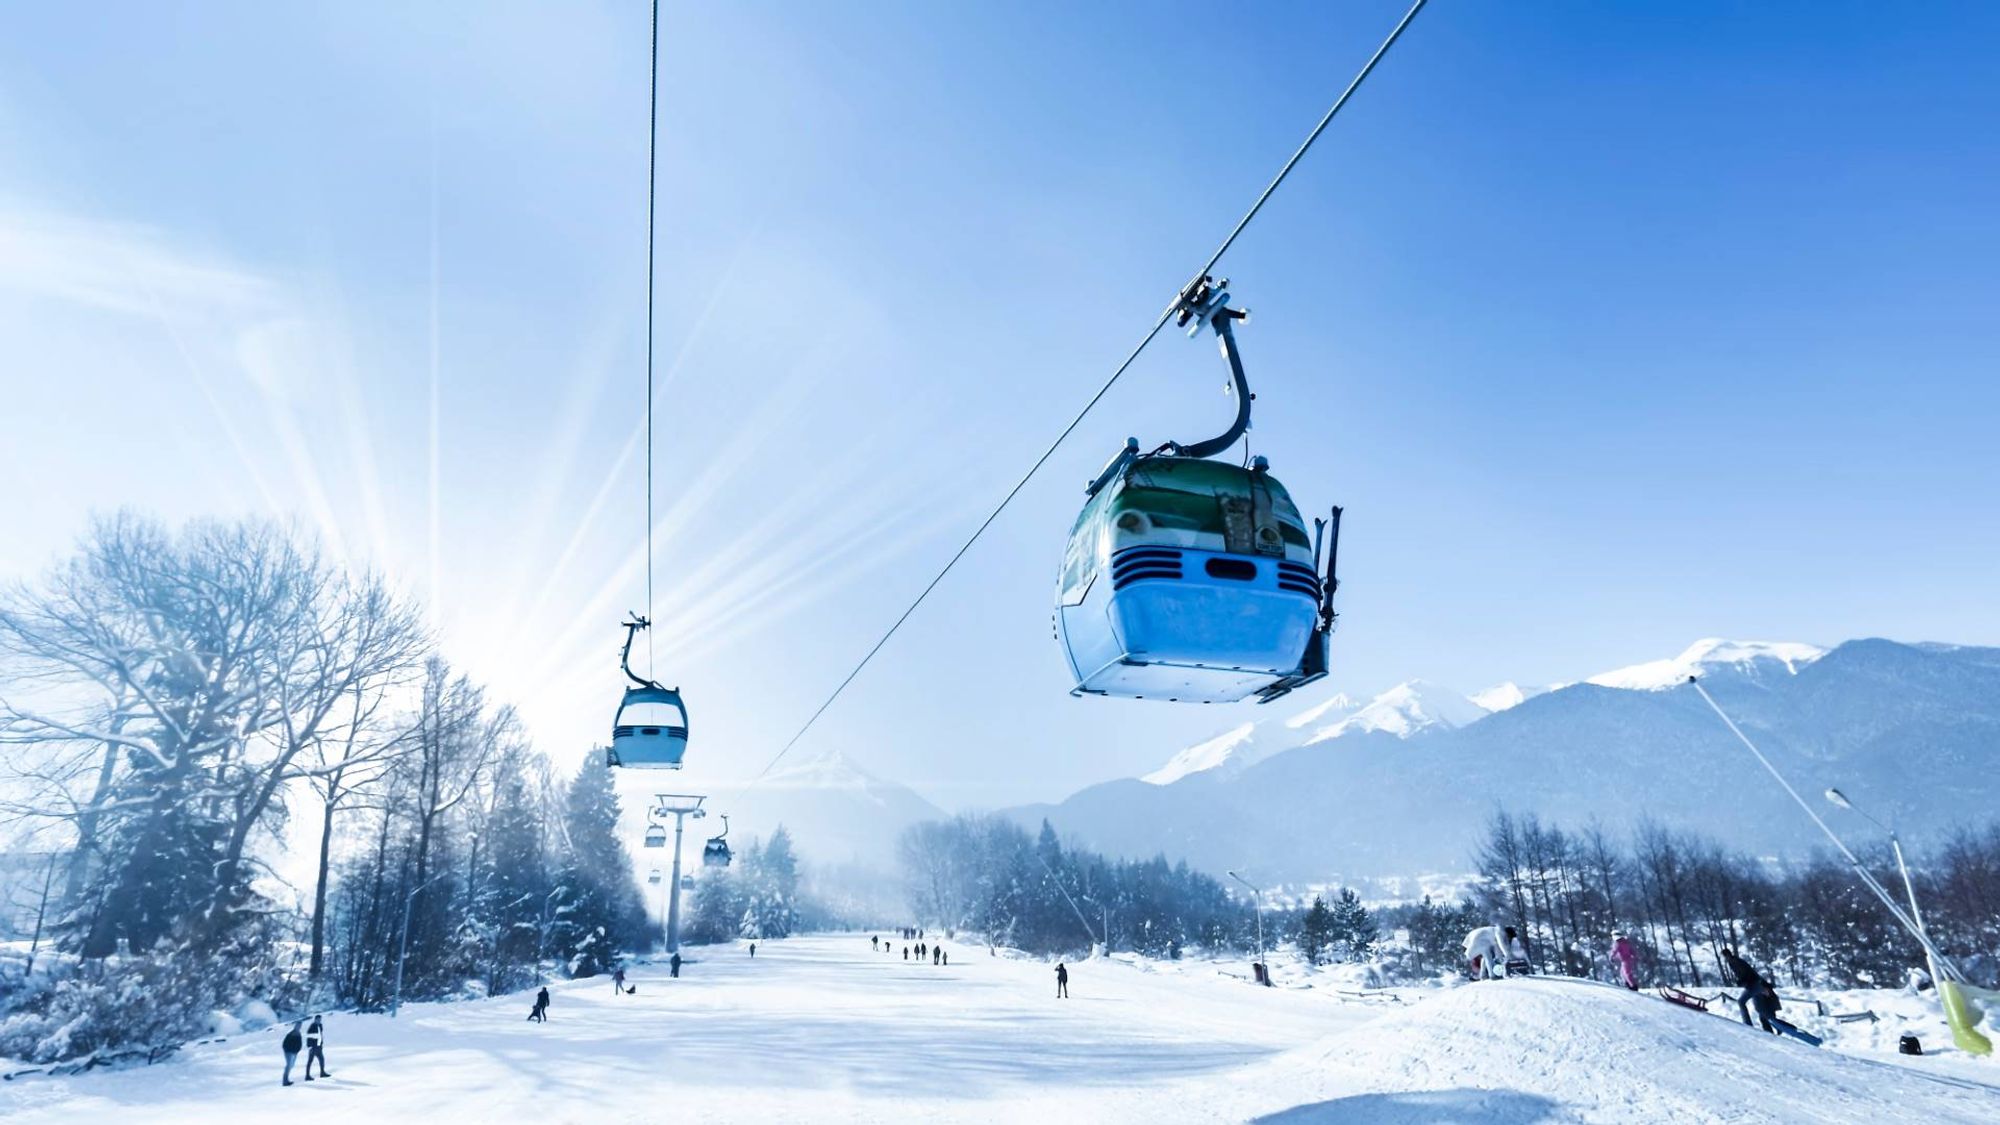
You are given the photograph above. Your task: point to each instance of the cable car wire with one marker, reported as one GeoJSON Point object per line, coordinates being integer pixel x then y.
{"type": "Point", "coordinates": [652, 186]}
{"type": "Point", "coordinates": [1102, 390]}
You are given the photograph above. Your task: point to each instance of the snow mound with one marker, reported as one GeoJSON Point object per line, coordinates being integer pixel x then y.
{"type": "Point", "coordinates": [1546, 1050]}
{"type": "Point", "coordinates": [1710, 655]}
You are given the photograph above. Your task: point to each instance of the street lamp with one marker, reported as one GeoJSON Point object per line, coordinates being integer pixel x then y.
{"type": "Point", "coordinates": [1263, 971]}
{"type": "Point", "coordinates": [1840, 799]}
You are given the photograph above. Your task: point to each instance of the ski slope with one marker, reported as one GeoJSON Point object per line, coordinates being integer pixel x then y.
{"type": "Point", "coordinates": [821, 1029]}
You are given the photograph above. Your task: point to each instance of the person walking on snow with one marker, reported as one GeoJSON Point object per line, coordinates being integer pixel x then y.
{"type": "Point", "coordinates": [316, 1048]}
{"type": "Point", "coordinates": [1483, 953]}
{"type": "Point", "coordinates": [906, 953]}
{"type": "Point", "coordinates": [753, 949]}
{"type": "Point", "coordinates": [291, 1045]}
{"type": "Point", "coordinates": [1747, 979]}
{"type": "Point", "coordinates": [1062, 981]}
{"type": "Point", "coordinates": [618, 979]}
{"type": "Point", "coordinates": [674, 965]}
{"type": "Point", "coordinates": [873, 941]}
{"type": "Point", "coordinates": [1765, 999]}
{"type": "Point", "coordinates": [937, 955]}
{"type": "Point", "coordinates": [540, 1012]}
{"type": "Point", "coordinates": [1626, 955]}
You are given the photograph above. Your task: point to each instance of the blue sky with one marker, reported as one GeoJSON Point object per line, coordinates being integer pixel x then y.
{"type": "Point", "coordinates": [1613, 327]}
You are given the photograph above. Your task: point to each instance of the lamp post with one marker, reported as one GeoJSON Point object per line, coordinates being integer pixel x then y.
{"type": "Point", "coordinates": [1263, 973]}
{"type": "Point", "coordinates": [1896, 845]}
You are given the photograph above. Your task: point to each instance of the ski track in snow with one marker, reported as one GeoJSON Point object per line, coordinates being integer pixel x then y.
{"type": "Point", "coordinates": [822, 1029]}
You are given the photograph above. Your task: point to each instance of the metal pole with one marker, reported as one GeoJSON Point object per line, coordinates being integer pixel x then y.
{"type": "Point", "coordinates": [674, 891]}
{"type": "Point", "coordinates": [403, 943]}
{"type": "Point", "coordinates": [1258, 909]}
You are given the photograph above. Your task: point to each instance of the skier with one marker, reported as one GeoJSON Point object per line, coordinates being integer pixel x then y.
{"type": "Point", "coordinates": [674, 965]}
{"type": "Point", "coordinates": [1484, 953]}
{"type": "Point", "coordinates": [316, 1049]}
{"type": "Point", "coordinates": [291, 1045]}
{"type": "Point", "coordinates": [1627, 957]}
{"type": "Point", "coordinates": [540, 1012]}
{"type": "Point", "coordinates": [1517, 955]}
{"type": "Point", "coordinates": [1747, 979]}
{"type": "Point", "coordinates": [1062, 981]}
{"type": "Point", "coordinates": [618, 979]}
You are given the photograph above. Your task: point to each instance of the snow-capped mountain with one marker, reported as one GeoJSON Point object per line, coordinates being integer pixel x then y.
{"type": "Point", "coordinates": [1499, 697]}
{"type": "Point", "coordinates": [1239, 748]}
{"type": "Point", "coordinates": [1403, 710]}
{"type": "Point", "coordinates": [1405, 782]}
{"type": "Point", "coordinates": [1710, 655]}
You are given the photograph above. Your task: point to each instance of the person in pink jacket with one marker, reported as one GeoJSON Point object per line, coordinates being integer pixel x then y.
{"type": "Point", "coordinates": [1627, 956]}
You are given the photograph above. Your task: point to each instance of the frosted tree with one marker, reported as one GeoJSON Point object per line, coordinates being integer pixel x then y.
{"type": "Point", "coordinates": [1353, 931]}
{"type": "Point", "coordinates": [771, 878]}
{"type": "Point", "coordinates": [1315, 932]}
{"type": "Point", "coordinates": [598, 909]}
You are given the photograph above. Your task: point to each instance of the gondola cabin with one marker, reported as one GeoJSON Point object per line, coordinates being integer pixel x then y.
{"type": "Point", "coordinates": [715, 853]}
{"type": "Point", "coordinates": [1190, 580]}
{"type": "Point", "coordinates": [650, 730]}
{"type": "Point", "coordinates": [656, 835]}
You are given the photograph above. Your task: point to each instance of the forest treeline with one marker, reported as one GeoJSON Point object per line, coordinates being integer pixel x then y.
{"type": "Point", "coordinates": [1681, 897]}
{"type": "Point", "coordinates": [173, 703]}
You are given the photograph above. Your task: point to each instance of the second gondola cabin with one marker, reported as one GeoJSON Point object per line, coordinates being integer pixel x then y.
{"type": "Point", "coordinates": [1191, 580]}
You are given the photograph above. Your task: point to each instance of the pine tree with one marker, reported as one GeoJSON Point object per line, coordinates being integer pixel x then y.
{"type": "Point", "coordinates": [1315, 932]}
{"type": "Point", "coordinates": [771, 876]}
{"type": "Point", "coordinates": [514, 883]}
{"type": "Point", "coordinates": [598, 911]}
{"type": "Point", "coordinates": [1353, 932]}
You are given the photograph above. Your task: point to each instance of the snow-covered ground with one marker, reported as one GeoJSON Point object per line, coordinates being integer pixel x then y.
{"type": "Point", "coordinates": [821, 1029]}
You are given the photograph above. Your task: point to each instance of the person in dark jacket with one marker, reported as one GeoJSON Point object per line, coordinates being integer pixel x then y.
{"type": "Point", "coordinates": [674, 965]}
{"type": "Point", "coordinates": [1765, 999]}
{"type": "Point", "coordinates": [316, 1048]}
{"type": "Point", "coordinates": [540, 1012]}
{"type": "Point", "coordinates": [618, 979]}
{"type": "Point", "coordinates": [753, 949]}
{"type": "Point", "coordinates": [1062, 981]}
{"type": "Point", "coordinates": [937, 955]}
{"type": "Point", "coordinates": [1747, 979]}
{"type": "Point", "coordinates": [293, 1041]}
